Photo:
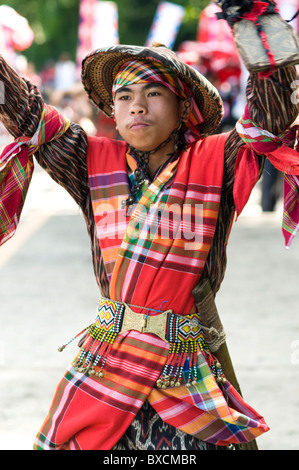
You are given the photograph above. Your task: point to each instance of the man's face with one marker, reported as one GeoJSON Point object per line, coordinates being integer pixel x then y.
{"type": "Point", "coordinates": [146, 114]}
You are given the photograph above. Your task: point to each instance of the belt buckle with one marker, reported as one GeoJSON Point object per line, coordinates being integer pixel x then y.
{"type": "Point", "coordinates": [155, 324]}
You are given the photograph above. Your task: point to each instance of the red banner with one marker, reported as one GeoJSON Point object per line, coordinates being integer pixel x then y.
{"type": "Point", "coordinates": [87, 22]}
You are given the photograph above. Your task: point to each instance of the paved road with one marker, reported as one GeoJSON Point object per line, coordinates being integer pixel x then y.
{"type": "Point", "coordinates": [48, 293]}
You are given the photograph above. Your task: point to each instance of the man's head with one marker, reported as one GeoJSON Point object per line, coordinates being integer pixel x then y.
{"type": "Point", "coordinates": [102, 69]}
{"type": "Point", "coordinates": [150, 103]}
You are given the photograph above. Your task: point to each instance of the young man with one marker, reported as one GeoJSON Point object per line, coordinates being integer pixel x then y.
{"type": "Point", "coordinates": [158, 205]}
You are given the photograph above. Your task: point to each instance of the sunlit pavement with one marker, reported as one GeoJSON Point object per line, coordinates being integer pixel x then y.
{"type": "Point", "coordinates": [48, 293]}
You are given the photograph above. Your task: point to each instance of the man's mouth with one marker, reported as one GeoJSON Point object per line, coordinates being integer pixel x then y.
{"type": "Point", "coordinates": [138, 124]}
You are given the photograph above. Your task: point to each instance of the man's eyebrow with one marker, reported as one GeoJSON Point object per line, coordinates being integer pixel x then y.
{"type": "Point", "coordinates": [153, 85]}
{"type": "Point", "coordinates": [124, 89]}
{"type": "Point", "coordinates": [146, 86]}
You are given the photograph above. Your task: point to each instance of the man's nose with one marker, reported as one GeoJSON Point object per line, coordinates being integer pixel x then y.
{"type": "Point", "coordinates": [138, 106]}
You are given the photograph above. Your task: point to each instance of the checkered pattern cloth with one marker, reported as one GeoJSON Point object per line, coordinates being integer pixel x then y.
{"type": "Point", "coordinates": [155, 272]}
{"type": "Point", "coordinates": [16, 168]}
{"type": "Point", "coordinates": [202, 410]}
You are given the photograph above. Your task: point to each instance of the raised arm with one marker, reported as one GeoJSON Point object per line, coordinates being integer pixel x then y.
{"type": "Point", "coordinates": [270, 49]}
{"type": "Point", "coordinates": [21, 104]}
{"type": "Point", "coordinates": [63, 158]}
{"type": "Point", "coordinates": [272, 77]}
{"type": "Point", "coordinates": [270, 101]}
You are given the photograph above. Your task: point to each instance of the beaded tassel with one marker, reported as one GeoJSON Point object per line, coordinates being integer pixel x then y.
{"type": "Point", "coordinates": [99, 339]}
{"type": "Point", "coordinates": [173, 370]}
{"type": "Point", "coordinates": [95, 351]}
{"type": "Point", "coordinates": [192, 377]}
{"type": "Point", "coordinates": [218, 373]}
{"type": "Point", "coordinates": [185, 354]}
{"type": "Point", "coordinates": [61, 348]}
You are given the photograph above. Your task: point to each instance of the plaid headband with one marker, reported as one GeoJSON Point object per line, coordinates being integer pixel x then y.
{"type": "Point", "coordinates": [137, 71]}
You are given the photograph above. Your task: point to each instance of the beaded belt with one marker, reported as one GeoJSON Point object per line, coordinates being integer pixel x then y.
{"type": "Point", "coordinates": [185, 335]}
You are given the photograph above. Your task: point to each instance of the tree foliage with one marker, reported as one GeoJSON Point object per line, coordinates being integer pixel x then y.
{"type": "Point", "coordinates": [55, 24]}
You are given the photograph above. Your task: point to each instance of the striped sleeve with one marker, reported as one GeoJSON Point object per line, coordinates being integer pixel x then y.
{"type": "Point", "coordinates": [21, 104]}
{"type": "Point", "coordinates": [64, 160]}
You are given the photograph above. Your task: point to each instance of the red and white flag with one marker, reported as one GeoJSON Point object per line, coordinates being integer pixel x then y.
{"type": "Point", "coordinates": [166, 24]}
{"type": "Point", "coordinates": [87, 23]}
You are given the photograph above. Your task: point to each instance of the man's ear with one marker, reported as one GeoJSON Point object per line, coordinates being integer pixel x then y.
{"type": "Point", "coordinates": [186, 107]}
{"type": "Point", "coordinates": [113, 117]}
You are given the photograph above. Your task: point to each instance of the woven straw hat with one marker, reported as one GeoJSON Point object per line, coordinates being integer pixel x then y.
{"type": "Point", "coordinates": [100, 67]}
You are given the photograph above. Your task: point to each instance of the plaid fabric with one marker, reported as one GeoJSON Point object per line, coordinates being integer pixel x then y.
{"type": "Point", "coordinates": [147, 270]}
{"type": "Point", "coordinates": [290, 221]}
{"type": "Point", "coordinates": [92, 413]}
{"type": "Point", "coordinates": [105, 404]}
{"type": "Point", "coordinates": [137, 71]}
{"type": "Point", "coordinates": [158, 269]}
{"type": "Point", "coordinates": [15, 178]}
{"type": "Point", "coordinates": [282, 154]}
{"type": "Point", "coordinates": [203, 411]}
{"type": "Point", "coordinates": [16, 168]}
{"type": "Point", "coordinates": [170, 230]}
{"type": "Point", "coordinates": [149, 432]}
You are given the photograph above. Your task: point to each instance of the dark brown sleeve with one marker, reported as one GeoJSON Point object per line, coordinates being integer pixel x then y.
{"type": "Point", "coordinates": [22, 104]}
{"type": "Point", "coordinates": [64, 160]}
{"type": "Point", "coordinates": [270, 100]}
